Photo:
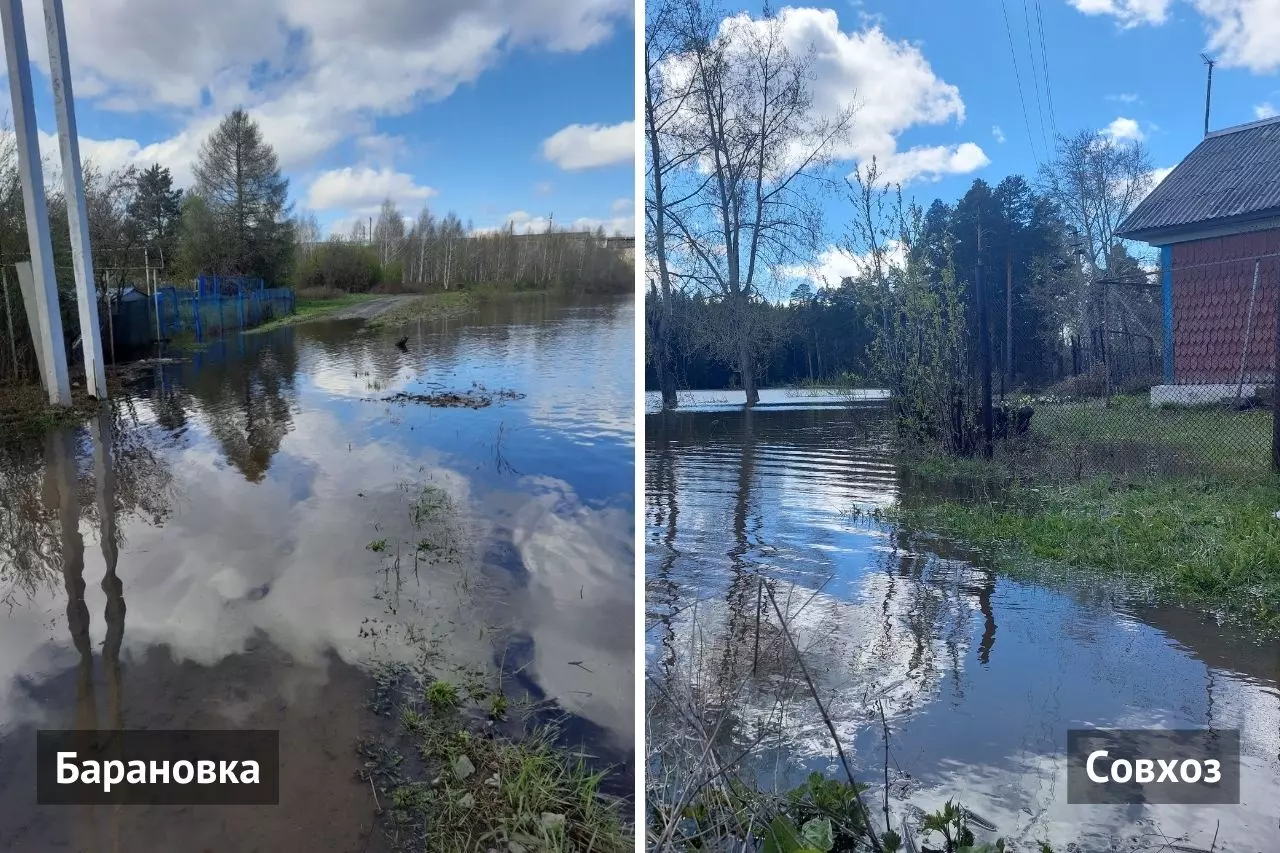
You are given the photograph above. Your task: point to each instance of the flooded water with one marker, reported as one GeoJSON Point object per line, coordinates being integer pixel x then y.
{"type": "Point", "coordinates": [978, 676]}
{"type": "Point", "coordinates": [244, 534]}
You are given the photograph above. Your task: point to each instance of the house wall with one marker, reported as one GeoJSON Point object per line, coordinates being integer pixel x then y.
{"type": "Point", "coordinates": [1209, 294]}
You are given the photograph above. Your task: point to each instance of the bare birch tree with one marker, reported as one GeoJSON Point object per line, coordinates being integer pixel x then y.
{"type": "Point", "coordinates": [1096, 182]}
{"type": "Point", "coordinates": [753, 152]}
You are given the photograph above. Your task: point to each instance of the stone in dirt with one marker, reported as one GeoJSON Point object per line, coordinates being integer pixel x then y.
{"type": "Point", "coordinates": [462, 767]}
{"type": "Point", "coordinates": [552, 820]}
{"type": "Point", "coordinates": [467, 801]}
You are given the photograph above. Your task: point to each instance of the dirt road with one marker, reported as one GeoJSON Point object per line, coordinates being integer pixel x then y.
{"type": "Point", "coordinates": [369, 309]}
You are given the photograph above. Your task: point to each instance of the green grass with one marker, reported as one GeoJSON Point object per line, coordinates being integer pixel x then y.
{"type": "Point", "coordinates": [25, 411]}
{"type": "Point", "coordinates": [1198, 540]}
{"type": "Point", "coordinates": [446, 786]}
{"type": "Point", "coordinates": [1202, 440]}
{"type": "Point", "coordinates": [442, 696]}
{"type": "Point", "coordinates": [306, 310]}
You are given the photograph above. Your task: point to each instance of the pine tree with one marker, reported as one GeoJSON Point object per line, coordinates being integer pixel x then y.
{"type": "Point", "coordinates": [154, 215]}
{"type": "Point", "coordinates": [246, 198]}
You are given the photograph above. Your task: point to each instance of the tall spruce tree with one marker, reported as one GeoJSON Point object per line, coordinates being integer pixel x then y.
{"type": "Point", "coordinates": [245, 201]}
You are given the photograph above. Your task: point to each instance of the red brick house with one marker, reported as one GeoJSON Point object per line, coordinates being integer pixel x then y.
{"type": "Point", "coordinates": [1216, 220]}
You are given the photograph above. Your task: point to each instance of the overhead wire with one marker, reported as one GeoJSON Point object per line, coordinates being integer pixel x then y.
{"type": "Point", "coordinates": [1035, 77]}
{"type": "Point", "coordinates": [1013, 53]}
{"type": "Point", "coordinates": [1044, 60]}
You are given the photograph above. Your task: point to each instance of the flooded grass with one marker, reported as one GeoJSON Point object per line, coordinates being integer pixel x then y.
{"type": "Point", "coordinates": [1197, 540]}
{"type": "Point", "coordinates": [1177, 498]}
{"type": "Point", "coordinates": [446, 779]}
{"type": "Point", "coordinates": [306, 310]}
{"type": "Point", "coordinates": [433, 306]}
{"type": "Point", "coordinates": [25, 411]}
{"type": "Point", "coordinates": [476, 397]}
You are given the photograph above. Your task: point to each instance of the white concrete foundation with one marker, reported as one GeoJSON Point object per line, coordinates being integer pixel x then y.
{"type": "Point", "coordinates": [1199, 395]}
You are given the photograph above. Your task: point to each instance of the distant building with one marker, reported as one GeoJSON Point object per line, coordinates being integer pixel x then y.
{"type": "Point", "coordinates": [1216, 220]}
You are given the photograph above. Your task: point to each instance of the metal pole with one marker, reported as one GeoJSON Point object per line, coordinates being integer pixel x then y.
{"type": "Point", "coordinates": [1275, 395]}
{"type": "Point", "coordinates": [73, 180]}
{"type": "Point", "coordinates": [56, 381]}
{"type": "Point", "coordinates": [1208, 91]}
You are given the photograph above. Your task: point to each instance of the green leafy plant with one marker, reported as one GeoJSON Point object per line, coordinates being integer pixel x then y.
{"type": "Point", "coordinates": [442, 695]}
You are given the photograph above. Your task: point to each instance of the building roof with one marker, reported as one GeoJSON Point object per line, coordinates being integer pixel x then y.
{"type": "Point", "coordinates": [1232, 177]}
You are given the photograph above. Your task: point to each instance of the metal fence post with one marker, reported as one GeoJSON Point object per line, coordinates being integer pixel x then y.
{"type": "Point", "coordinates": [1275, 392]}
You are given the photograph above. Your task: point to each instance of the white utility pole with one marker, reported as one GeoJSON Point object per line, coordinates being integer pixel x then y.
{"type": "Point", "coordinates": [50, 338]}
{"type": "Point", "coordinates": [55, 26]}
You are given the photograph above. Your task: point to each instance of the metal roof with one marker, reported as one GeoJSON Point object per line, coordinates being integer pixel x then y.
{"type": "Point", "coordinates": [1233, 174]}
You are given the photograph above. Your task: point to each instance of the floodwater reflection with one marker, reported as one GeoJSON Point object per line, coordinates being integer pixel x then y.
{"type": "Point", "coordinates": [234, 500]}
{"type": "Point", "coordinates": [976, 676]}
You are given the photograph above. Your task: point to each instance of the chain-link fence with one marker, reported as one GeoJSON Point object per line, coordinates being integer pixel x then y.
{"type": "Point", "coordinates": [1171, 371]}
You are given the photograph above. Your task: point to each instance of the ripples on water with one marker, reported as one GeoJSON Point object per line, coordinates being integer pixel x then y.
{"type": "Point", "coordinates": [245, 487]}
{"type": "Point", "coordinates": [978, 677]}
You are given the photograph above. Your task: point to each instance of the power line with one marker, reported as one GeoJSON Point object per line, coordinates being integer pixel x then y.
{"type": "Point", "coordinates": [1044, 59]}
{"type": "Point", "coordinates": [1018, 77]}
{"type": "Point", "coordinates": [1035, 79]}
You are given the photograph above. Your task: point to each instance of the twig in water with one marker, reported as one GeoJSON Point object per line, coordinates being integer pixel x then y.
{"type": "Point", "coordinates": [885, 724]}
{"type": "Point", "coordinates": [831, 727]}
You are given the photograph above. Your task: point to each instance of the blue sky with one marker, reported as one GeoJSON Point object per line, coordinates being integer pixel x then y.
{"type": "Point", "coordinates": [498, 109]}
{"type": "Point", "coordinates": [940, 100]}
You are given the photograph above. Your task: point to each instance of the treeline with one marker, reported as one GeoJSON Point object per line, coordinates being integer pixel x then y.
{"type": "Point", "coordinates": [236, 219]}
{"type": "Point", "coordinates": [1031, 269]}
{"type": "Point", "coordinates": [431, 253]}
{"type": "Point", "coordinates": [233, 220]}
{"type": "Point", "coordinates": [738, 212]}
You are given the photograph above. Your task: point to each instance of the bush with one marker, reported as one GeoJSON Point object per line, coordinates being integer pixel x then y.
{"type": "Point", "coordinates": [347, 267]}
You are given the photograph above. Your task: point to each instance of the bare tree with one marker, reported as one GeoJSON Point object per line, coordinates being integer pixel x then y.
{"type": "Point", "coordinates": [388, 233]}
{"type": "Point", "coordinates": [663, 103]}
{"type": "Point", "coordinates": [750, 150]}
{"type": "Point", "coordinates": [1096, 182]}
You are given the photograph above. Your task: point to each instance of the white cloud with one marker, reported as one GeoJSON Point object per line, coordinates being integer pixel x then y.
{"type": "Point", "coordinates": [1124, 98]}
{"type": "Point", "coordinates": [588, 146]}
{"type": "Point", "coordinates": [1265, 110]}
{"type": "Point", "coordinates": [1130, 13]}
{"type": "Point", "coordinates": [1242, 33]}
{"type": "Point", "coordinates": [543, 188]}
{"type": "Point", "coordinates": [933, 163]}
{"type": "Point", "coordinates": [362, 189]}
{"type": "Point", "coordinates": [997, 133]}
{"type": "Point", "coordinates": [889, 83]}
{"type": "Point", "coordinates": [835, 264]}
{"type": "Point", "coordinates": [621, 221]}
{"type": "Point", "coordinates": [312, 73]}
{"type": "Point", "coordinates": [1124, 130]}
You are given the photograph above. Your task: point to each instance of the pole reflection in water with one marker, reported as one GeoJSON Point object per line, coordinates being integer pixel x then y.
{"type": "Point", "coordinates": [62, 490]}
{"type": "Point", "coordinates": [105, 477]}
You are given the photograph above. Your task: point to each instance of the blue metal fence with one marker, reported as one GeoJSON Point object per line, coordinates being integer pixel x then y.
{"type": "Point", "coordinates": [218, 304]}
